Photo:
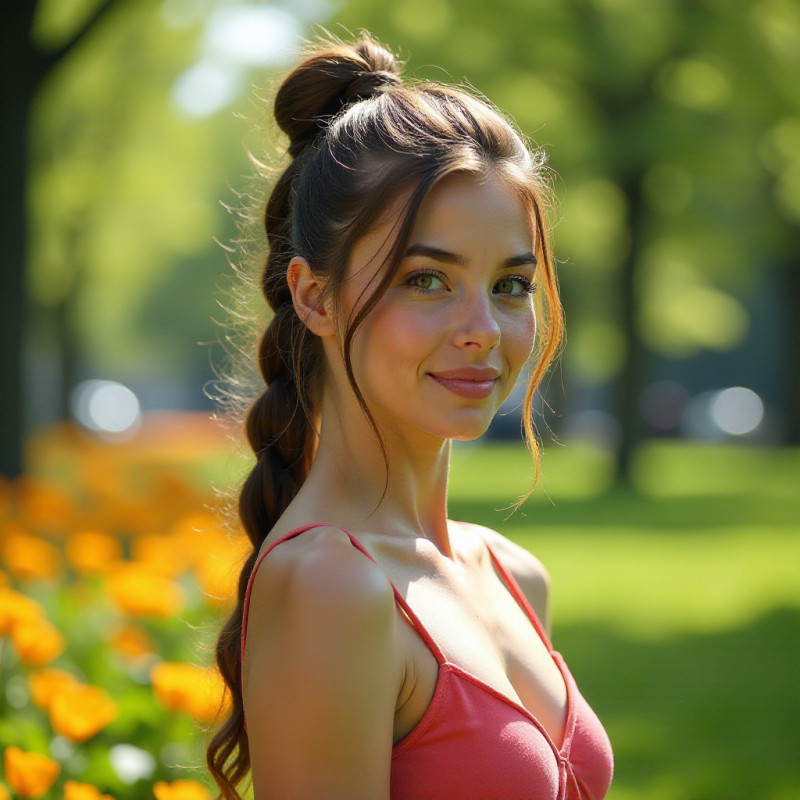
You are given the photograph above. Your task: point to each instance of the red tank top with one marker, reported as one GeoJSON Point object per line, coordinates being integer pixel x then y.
{"type": "Point", "coordinates": [474, 743]}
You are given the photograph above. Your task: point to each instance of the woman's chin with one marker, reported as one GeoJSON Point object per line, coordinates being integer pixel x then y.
{"type": "Point", "coordinates": [470, 433]}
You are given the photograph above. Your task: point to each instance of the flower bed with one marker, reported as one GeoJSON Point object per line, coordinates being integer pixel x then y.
{"type": "Point", "coordinates": [115, 572]}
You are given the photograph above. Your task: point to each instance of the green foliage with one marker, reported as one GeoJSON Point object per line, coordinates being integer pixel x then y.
{"type": "Point", "coordinates": [84, 616]}
{"type": "Point", "coordinates": [125, 188]}
{"type": "Point", "coordinates": [685, 114]}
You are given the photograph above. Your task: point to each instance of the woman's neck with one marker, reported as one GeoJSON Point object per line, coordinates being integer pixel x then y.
{"type": "Point", "coordinates": [348, 481]}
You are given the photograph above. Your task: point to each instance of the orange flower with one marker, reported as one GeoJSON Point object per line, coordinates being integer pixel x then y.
{"type": "Point", "coordinates": [102, 479]}
{"type": "Point", "coordinates": [44, 505]}
{"type": "Point", "coordinates": [132, 642]}
{"type": "Point", "coordinates": [218, 563]}
{"type": "Point", "coordinates": [201, 534]}
{"type": "Point", "coordinates": [29, 774]}
{"type": "Point", "coordinates": [180, 790]}
{"type": "Point", "coordinates": [16, 607]}
{"type": "Point", "coordinates": [219, 579]}
{"type": "Point", "coordinates": [28, 556]}
{"type": "Point", "coordinates": [135, 514]}
{"type": "Point", "coordinates": [163, 554]}
{"type": "Point", "coordinates": [80, 711]}
{"type": "Point", "coordinates": [37, 641]}
{"type": "Point", "coordinates": [4, 795]}
{"type": "Point", "coordinates": [92, 552]}
{"type": "Point", "coordinates": [47, 683]}
{"type": "Point", "coordinates": [198, 691]}
{"type": "Point", "coordinates": [194, 526]}
{"type": "Point", "coordinates": [83, 791]}
{"type": "Point", "coordinates": [139, 591]}
{"type": "Point", "coordinates": [172, 491]}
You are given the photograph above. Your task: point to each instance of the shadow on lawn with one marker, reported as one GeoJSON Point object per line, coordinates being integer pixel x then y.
{"type": "Point", "coordinates": [623, 508]}
{"type": "Point", "coordinates": [699, 717]}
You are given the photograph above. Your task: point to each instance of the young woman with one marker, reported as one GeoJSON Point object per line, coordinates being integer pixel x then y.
{"type": "Point", "coordinates": [379, 649]}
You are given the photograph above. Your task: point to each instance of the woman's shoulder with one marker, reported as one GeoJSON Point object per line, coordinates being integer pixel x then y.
{"type": "Point", "coordinates": [528, 571]}
{"type": "Point", "coordinates": [314, 596]}
{"type": "Point", "coordinates": [322, 672]}
{"type": "Point", "coordinates": [321, 569]}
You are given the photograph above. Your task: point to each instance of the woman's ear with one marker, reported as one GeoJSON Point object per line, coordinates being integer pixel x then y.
{"type": "Point", "coordinates": [307, 297]}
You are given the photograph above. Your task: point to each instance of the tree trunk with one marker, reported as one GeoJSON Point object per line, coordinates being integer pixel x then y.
{"type": "Point", "coordinates": [22, 68]}
{"type": "Point", "coordinates": [790, 279]}
{"type": "Point", "coordinates": [18, 78]}
{"type": "Point", "coordinates": [632, 377]}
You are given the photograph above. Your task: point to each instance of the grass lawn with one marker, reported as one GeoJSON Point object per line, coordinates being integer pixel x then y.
{"type": "Point", "coordinates": [677, 605]}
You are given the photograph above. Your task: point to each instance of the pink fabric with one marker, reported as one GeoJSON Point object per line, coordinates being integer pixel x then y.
{"type": "Point", "coordinates": [474, 743]}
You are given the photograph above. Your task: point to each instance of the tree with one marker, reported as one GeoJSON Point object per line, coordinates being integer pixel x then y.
{"type": "Point", "coordinates": [24, 68]}
{"type": "Point", "coordinates": [116, 193]}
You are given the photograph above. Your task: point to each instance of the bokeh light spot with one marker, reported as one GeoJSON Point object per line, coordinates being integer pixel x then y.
{"type": "Point", "coordinates": [261, 35]}
{"type": "Point", "coordinates": [695, 83]}
{"type": "Point", "coordinates": [206, 88]}
{"type": "Point", "coordinates": [131, 763]}
{"type": "Point", "coordinates": [737, 410]}
{"type": "Point", "coordinates": [106, 407]}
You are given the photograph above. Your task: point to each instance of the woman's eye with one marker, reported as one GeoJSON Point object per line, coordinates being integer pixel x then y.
{"type": "Point", "coordinates": [515, 286]}
{"type": "Point", "coordinates": [425, 281]}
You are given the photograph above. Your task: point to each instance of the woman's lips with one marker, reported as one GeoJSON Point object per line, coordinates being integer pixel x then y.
{"type": "Point", "coordinates": [474, 383]}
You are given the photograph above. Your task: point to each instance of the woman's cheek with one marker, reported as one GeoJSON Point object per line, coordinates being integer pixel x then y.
{"type": "Point", "coordinates": [391, 338]}
{"type": "Point", "coordinates": [522, 336]}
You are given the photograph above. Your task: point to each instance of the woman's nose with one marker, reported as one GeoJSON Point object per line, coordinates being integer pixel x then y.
{"type": "Point", "coordinates": [476, 327]}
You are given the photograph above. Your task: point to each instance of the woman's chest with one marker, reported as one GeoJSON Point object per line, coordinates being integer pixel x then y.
{"type": "Point", "coordinates": [485, 633]}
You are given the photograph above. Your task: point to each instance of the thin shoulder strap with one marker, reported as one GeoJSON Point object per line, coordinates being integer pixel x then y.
{"type": "Point", "coordinates": [399, 599]}
{"type": "Point", "coordinates": [519, 596]}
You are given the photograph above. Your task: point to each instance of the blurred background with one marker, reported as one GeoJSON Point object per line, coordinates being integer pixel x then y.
{"type": "Point", "coordinates": [672, 129]}
{"type": "Point", "coordinates": [669, 508]}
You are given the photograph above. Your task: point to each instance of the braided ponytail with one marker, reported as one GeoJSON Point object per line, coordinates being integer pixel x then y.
{"type": "Point", "coordinates": [283, 438]}
{"type": "Point", "coordinates": [280, 423]}
{"type": "Point", "coordinates": [357, 137]}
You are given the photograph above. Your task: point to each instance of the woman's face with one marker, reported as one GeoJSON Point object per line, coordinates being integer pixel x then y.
{"type": "Point", "coordinates": [443, 347]}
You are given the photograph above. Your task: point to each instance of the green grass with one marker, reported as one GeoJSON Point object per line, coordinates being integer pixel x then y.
{"type": "Point", "coordinates": [676, 604]}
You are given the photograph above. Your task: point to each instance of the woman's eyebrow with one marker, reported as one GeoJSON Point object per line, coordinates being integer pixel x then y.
{"type": "Point", "coordinates": [523, 258]}
{"type": "Point", "coordinates": [445, 256]}
{"type": "Point", "coordinates": [436, 253]}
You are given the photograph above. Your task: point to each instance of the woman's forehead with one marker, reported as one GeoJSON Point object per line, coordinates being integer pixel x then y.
{"type": "Point", "coordinates": [462, 207]}
{"type": "Point", "coordinates": [461, 212]}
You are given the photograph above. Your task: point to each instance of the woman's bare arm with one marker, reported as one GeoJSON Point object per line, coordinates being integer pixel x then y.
{"type": "Point", "coordinates": [322, 673]}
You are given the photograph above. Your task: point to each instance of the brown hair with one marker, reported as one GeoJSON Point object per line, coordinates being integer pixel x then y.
{"type": "Point", "coordinates": [357, 136]}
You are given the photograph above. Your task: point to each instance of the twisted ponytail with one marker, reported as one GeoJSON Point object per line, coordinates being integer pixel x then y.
{"type": "Point", "coordinates": [357, 137]}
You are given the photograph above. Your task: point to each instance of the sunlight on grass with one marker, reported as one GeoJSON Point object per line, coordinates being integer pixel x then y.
{"type": "Point", "coordinates": [668, 469]}
{"type": "Point", "coordinates": [653, 587]}
{"type": "Point", "coordinates": [673, 558]}
{"type": "Point", "coordinates": [502, 473]}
